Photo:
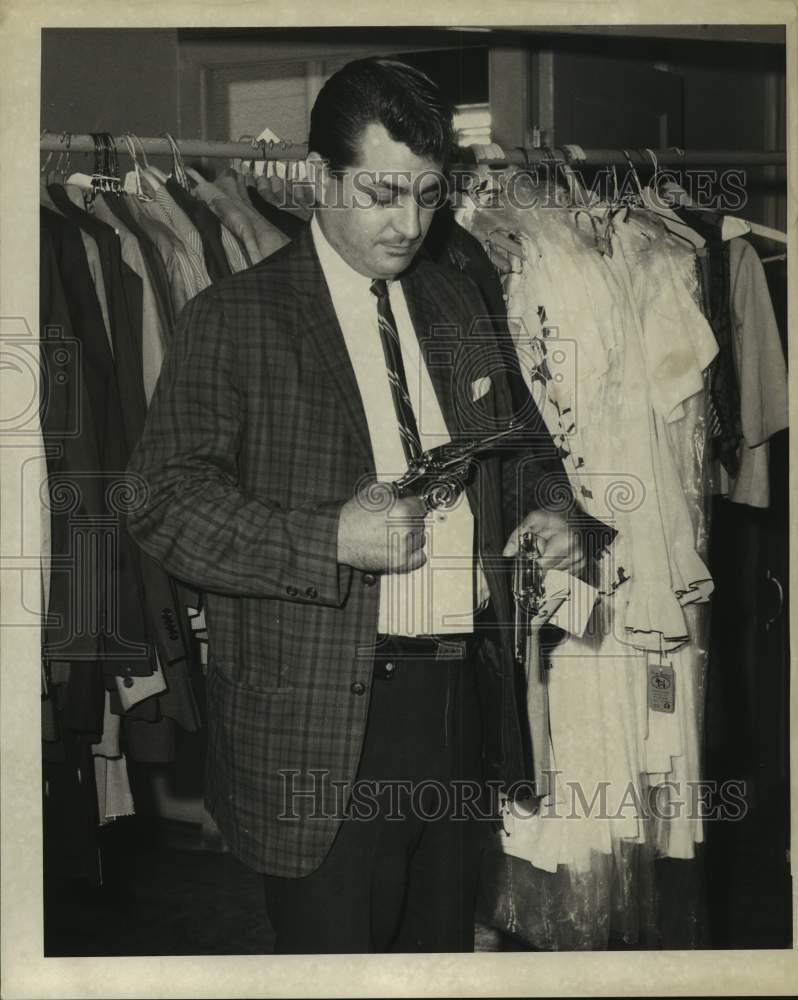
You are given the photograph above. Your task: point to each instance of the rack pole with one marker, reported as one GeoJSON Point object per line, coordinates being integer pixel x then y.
{"type": "Point", "coordinates": [670, 157]}
{"type": "Point", "coordinates": [53, 142]}
{"type": "Point", "coordinates": [84, 143]}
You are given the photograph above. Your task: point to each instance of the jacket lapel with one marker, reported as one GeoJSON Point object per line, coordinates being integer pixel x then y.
{"type": "Point", "coordinates": [438, 350]}
{"type": "Point", "coordinates": [450, 359]}
{"type": "Point", "coordinates": [326, 340]}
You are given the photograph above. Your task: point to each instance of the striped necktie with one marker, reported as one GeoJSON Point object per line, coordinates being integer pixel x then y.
{"type": "Point", "coordinates": [389, 335]}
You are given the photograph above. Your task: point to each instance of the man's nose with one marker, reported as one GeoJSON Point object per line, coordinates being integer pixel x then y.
{"type": "Point", "coordinates": [407, 222]}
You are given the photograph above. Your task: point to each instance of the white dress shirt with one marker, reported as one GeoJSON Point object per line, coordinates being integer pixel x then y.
{"type": "Point", "coordinates": [438, 597]}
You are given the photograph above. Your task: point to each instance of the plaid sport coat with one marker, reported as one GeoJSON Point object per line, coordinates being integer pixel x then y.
{"type": "Point", "coordinates": [255, 437]}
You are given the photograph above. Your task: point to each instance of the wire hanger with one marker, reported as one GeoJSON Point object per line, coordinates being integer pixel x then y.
{"type": "Point", "coordinates": [580, 196]}
{"type": "Point", "coordinates": [61, 165]}
{"type": "Point", "coordinates": [44, 195]}
{"type": "Point", "coordinates": [630, 199]}
{"type": "Point", "coordinates": [651, 200]}
{"type": "Point", "coordinates": [112, 183]}
{"type": "Point", "coordinates": [730, 222]}
{"type": "Point", "coordinates": [254, 163]}
{"type": "Point", "coordinates": [135, 186]}
{"type": "Point", "coordinates": [89, 183]}
{"type": "Point", "coordinates": [178, 167]}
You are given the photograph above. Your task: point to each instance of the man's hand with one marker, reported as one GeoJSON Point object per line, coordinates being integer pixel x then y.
{"type": "Point", "coordinates": [385, 541]}
{"type": "Point", "coordinates": [558, 545]}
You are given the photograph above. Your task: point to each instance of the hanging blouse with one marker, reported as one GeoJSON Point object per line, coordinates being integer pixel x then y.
{"type": "Point", "coordinates": [762, 375]}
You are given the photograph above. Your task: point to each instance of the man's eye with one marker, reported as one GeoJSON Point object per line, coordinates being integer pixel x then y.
{"type": "Point", "coordinates": [430, 198]}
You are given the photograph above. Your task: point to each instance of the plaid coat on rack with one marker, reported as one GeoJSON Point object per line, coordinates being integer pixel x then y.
{"type": "Point", "coordinates": [255, 437]}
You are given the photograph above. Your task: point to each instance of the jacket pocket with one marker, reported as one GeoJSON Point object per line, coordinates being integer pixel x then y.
{"type": "Point", "coordinates": [245, 678]}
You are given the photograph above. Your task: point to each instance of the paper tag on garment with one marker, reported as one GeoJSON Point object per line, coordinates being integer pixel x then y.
{"type": "Point", "coordinates": [661, 686]}
{"type": "Point", "coordinates": [548, 609]}
{"type": "Point", "coordinates": [571, 601]}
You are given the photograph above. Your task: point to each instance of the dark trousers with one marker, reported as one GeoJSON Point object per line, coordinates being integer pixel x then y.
{"type": "Point", "coordinates": [402, 872]}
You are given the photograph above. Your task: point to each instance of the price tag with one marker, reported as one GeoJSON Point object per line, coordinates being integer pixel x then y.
{"type": "Point", "coordinates": [661, 687]}
{"type": "Point", "coordinates": [569, 602]}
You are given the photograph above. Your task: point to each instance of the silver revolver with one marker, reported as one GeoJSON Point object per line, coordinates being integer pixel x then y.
{"type": "Point", "coordinates": [439, 476]}
{"type": "Point", "coordinates": [528, 592]}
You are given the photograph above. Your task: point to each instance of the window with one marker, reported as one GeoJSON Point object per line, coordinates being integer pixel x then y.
{"type": "Point", "coordinates": [472, 124]}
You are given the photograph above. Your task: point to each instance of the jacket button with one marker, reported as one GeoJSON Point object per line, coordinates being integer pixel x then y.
{"type": "Point", "coordinates": [358, 688]}
{"type": "Point", "coordinates": [369, 579]}
{"type": "Point", "coordinates": [311, 592]}
{"type": "Point", "coordinates": [291, 591]}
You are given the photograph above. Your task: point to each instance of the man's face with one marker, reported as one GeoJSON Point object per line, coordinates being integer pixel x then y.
{"type": "Point", "coordinates": [376, 214]}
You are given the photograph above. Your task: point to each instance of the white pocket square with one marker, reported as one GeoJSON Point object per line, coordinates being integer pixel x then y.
{"type": "Point", "coordinates": [479, 387]}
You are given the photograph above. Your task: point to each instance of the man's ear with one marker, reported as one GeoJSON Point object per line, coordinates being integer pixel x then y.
{"type": "Point", "coordinates": [319, 177]}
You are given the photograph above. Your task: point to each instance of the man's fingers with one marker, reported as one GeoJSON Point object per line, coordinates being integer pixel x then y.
{"type": "Point", "coordinates": [541, 523]}
{"type": "Point", "coordinates": [411, 508]}
{"type": "Point", "coordinates": [417, 558]}
{"type": "Point", "coordinates": [562, 552]}
{"type": "Point", "coordinates": [555, 548]}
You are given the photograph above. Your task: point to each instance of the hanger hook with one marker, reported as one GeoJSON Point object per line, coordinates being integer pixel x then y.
{"type": "Point", "coordinates": [246, 137]}
{"type": "Point", "coordinates": [616, 194]}
{"type": "Point", "coordinates": [135, 139]}
{"type": "Point", "coordinates": [255, 147]}
{"type": "Point", "coordinates": [129, 138]}
{"type": "Point", "coordinates": [115, 184]}
{"type": "Point", "coordinates": [654, 182]}
{"type": "Point", "coordinates": [131, 152]}
{"type": "Point", "coordinates": [635, 176]}
{"type": "Point", "coordinates": [178, 168]}
{"type": "Point", "coordinates": [65, 138]}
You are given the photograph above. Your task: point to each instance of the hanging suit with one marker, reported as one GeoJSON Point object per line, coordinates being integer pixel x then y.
{"type": "Point", "coordinates": [118, 205]}
{"type": "Point", "coordinates": [142, 584]}
{"type": "Point", "coordinates": [71, 320]}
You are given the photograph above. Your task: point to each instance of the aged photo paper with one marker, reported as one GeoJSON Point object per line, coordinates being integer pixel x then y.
{"type": "Point", "coordinates": [24, 971]}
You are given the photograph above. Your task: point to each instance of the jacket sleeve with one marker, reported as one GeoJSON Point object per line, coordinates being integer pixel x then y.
{"type": "Point", "coordinates": [193, 517]}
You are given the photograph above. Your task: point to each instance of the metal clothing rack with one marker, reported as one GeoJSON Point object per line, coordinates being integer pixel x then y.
{"type": "Point", "coordinates": [63, 142]}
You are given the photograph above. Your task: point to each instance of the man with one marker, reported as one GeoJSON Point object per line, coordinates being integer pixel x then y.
{"type": "Point", "coordinates": [350, 677]}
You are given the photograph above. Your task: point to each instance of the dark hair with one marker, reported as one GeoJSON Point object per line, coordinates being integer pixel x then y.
{"type": "Point", "coordinates": [404, 100]}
